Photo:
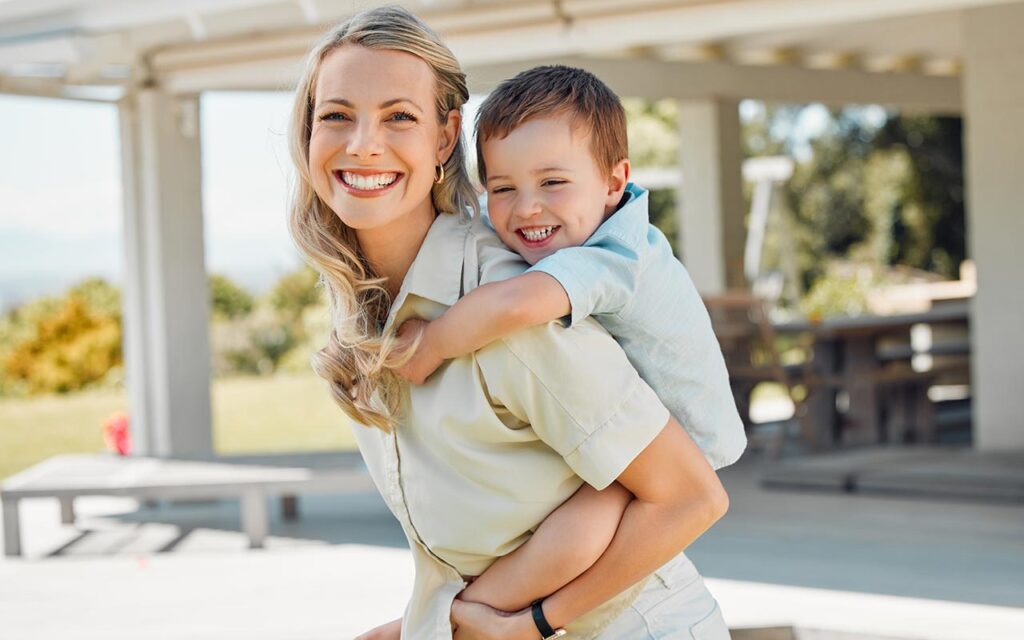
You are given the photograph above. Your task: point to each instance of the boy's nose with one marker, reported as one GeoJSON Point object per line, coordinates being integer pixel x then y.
{"type": "Point", "coordinates": [526, 207]}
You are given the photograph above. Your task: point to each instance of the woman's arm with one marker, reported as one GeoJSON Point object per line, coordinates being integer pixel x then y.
{"type": "Point", "coordinates": [677, 498]}
{"type": "Point", "coordinates": [482, 316]}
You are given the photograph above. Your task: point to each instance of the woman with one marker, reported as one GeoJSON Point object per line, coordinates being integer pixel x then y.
{"type": "Point", "coordinates": [471, 462]}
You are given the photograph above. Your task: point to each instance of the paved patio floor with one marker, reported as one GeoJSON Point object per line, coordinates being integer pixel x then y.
{"type": "Point", "coordinates": [889, 567]}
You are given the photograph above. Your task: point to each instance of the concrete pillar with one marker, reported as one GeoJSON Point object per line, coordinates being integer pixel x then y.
{"type": "Point", "coordinates": [166, 307]}
{"type": "Point", "coordinates": [993, 90]}
{"type": "Point", "coordinates": [711, 209]}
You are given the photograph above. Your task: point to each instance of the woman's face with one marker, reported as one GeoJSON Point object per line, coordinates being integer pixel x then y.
{"type": "Point", "coordinates": [375, 139]}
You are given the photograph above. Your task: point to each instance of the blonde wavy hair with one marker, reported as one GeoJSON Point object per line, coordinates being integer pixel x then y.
{"type": "Point", "coordinates": [357, 359]}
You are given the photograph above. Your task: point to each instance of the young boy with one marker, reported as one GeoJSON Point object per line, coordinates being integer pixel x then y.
{"type": "Point", "coordinates": [552, 154]}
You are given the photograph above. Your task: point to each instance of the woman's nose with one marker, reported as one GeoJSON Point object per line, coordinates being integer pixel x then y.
{"type": "Point", "coordinates": [365, 141]}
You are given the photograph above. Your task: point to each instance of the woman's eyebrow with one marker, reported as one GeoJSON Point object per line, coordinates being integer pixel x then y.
{"type": "Point", "coordinates": [384, 105]}
{"type": "Point", "coordinates": [394, 101]}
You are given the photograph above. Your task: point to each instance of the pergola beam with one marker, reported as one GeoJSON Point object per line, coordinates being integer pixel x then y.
{"type": "Point", "coordinates": [643, 78]}
{"type": "Point", "coordinates": [646, 78]}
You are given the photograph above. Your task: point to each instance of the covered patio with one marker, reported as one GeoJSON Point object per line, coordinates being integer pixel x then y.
{"type": "Point", "coordinates": [153, 59]}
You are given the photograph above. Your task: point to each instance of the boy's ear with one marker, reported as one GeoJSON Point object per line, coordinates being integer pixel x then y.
{"type": "Point", "coordinates": [617, 183]}
{"type": "Point", "coordinates": [449, 136]}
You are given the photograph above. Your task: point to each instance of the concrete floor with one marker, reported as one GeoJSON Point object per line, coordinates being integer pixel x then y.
{"type": "Point", "coordinates": [924, 569]}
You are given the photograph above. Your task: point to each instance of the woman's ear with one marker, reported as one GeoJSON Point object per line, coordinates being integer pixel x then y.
{"type": "Point", "coordinates": [617, 182]}
{"type": "Point", "coordinates": [449, 136]}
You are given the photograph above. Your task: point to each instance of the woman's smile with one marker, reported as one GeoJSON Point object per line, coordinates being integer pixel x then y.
{"type": "Point", "coordinates": [367, 184]}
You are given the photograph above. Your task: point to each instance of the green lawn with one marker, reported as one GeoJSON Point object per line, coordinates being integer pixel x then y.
{"type": "Point", "coordinates": [280, 413]}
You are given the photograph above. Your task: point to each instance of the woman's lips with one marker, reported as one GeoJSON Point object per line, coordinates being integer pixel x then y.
{"type": "Point", "coordinates": [371, 192]}
{"type": "Point", "coordinates": [537, 244]}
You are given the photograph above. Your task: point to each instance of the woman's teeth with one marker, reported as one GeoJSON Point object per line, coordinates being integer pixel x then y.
{"type": "Point", "coordinates": [368, 183]}
{"type": "Point", "coordinates": [536, 234]}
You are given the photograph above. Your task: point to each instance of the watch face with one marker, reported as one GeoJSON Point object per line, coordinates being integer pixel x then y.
{"type": "Point", "coordinates": [557, 634]}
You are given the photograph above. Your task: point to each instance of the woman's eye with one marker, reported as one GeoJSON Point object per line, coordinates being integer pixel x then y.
{"type": "Point", "coordinates": [403, 116]}
{"type": "Point", "coordinates": [333, 116]}
{"type": "Point", "coordinates": [501, 189]}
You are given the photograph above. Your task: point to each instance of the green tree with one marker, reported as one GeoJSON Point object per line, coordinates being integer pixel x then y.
{"type": "Point", "coordinates": [227, 299]}
{"type": "Point", "coordinates": [296, 291]}
{"type": "Point", "coordinates": [654, 142]}
{"type": "Point", "coordinates": [932, 234]}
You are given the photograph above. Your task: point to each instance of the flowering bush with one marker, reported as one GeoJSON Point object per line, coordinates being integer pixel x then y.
{"type": "Point", "coordinates": [116, 435]}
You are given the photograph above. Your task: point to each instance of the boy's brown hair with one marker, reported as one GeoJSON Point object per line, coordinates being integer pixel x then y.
{"type": "Point", "coordinates": [552, 91]}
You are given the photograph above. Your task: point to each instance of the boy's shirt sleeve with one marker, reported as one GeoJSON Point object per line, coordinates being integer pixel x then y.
{"type": "Point", "coordinates": [598, 278]}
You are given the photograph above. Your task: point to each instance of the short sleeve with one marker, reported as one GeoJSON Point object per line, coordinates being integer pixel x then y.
{"type": "Point", "coordinates": [599, 278]}
{"type": "Point", "coordinates": [579, 393]}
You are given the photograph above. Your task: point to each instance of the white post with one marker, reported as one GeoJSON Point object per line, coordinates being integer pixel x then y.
{"type": "Point", "coordinates": [710, 204]}
{"type": "Point", "coordinates": [166, 309]}
{"type": "Point", "coordinates": [994, 110]}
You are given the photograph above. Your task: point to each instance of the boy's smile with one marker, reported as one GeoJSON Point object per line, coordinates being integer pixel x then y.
{"type": "Point", "coordinates": [545, 191]}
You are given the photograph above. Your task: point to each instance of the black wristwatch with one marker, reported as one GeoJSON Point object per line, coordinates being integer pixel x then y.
{"type": "Point", "coordinates": [546, 632]}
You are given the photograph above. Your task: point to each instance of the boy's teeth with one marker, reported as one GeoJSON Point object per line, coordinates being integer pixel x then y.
{"type": "Point", "coordinates": [368, 183]}
{"type": "Point", "coordinates": [537, 233]}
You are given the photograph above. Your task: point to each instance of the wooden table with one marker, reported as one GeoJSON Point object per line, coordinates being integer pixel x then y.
{"type": "Point", "coordinates": [846, 359]}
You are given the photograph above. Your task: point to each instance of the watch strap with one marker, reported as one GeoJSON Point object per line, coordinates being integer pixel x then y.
{"type": "Point", "coordinates": [542, 623]}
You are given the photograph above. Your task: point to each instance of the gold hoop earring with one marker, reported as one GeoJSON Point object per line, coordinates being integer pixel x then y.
{"type": "Point", "coordinates": [439, 173]}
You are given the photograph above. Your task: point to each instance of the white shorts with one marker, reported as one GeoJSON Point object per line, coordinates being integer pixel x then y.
{"type": "Point", "coordinates": [674, 604]}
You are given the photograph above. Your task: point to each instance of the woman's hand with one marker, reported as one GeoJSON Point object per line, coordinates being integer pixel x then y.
{"type": "Point", "coordinates": [389, 631]}
{"type": "Point", "coordinates": [425, 360]}
{"type": "Point", "coordinates": [475, 621]}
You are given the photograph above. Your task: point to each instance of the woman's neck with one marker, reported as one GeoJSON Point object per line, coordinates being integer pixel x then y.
{"type": "Point", "coordinates": [391, 250]}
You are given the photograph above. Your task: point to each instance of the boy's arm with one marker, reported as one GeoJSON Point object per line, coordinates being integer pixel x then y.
{"type": "Point", "coordinates": [482, 316]}
{"type": "Point", "coordinates": [565, 545]}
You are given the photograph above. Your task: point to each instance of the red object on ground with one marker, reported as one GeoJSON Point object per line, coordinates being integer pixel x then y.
{"type": "Point", "coordinates": [116, 435]}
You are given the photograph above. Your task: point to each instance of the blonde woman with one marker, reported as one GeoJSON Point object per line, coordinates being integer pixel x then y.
{"type": "Point", "coordinates": [472, 462]}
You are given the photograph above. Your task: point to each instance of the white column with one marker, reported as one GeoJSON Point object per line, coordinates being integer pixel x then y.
{"type": "Point", "coordinates": [166, 308]}
{"type": "Point", "coordinates": [710, 203]}
{"type": "Point", "coordinates": [994, 112]}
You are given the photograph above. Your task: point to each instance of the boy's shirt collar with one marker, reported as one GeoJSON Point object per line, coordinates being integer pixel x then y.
{"type": "Point", "coordinates": [628, 223]}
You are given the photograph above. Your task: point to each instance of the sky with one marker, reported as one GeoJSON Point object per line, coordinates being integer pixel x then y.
{"type": "Point", "coordinates": [60, 190]}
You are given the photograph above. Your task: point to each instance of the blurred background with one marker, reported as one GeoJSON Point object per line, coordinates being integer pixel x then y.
{"type": "Point", "coordinates": [839, 179]}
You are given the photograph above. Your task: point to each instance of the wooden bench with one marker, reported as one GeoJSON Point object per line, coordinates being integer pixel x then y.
{"type": "Point", "coordinates": [250, 479]}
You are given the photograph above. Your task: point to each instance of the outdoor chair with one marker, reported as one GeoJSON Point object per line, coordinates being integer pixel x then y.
{"type": "Point", "coordinates": [754, 355]}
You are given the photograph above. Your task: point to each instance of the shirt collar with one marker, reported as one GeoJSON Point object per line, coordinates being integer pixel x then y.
{"type": "Point", "coordinates": [436, 273]}
{"type": "Point", "coordinates": [629, 222]}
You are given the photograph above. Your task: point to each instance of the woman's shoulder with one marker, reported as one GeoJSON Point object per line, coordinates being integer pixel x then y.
{"type": "Point", "coordinates": [487, 259]}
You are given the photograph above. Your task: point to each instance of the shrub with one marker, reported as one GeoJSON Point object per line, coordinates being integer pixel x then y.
{"type": "Point", "coordinates": [296, 291]}
{"type": "Point", "coordinates": [253, 344]}
{"type": "Point", "coordinates": [227, 299]}
{"type": "Point", "coordinates": [73, 346]}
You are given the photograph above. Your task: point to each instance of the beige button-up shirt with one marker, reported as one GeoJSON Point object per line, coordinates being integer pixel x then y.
{"type": "Point", "coordinates": [496, 440]}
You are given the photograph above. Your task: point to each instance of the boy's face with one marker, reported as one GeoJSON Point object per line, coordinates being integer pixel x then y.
{"type": "Point", "coordinates": [544, 188]}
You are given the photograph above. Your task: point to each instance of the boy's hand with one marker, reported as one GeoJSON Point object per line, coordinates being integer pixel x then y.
{"type": "Point", "coordinates": [474, 621]}
{"type": "Point", "coordinates": [425, 360]}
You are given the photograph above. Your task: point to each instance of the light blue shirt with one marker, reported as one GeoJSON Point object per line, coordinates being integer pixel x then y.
{"type": "Point", "coordinates": [627, 278]}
